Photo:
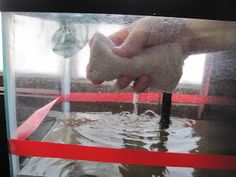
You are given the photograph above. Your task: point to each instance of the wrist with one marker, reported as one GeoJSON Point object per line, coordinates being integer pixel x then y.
{"type": "Point", "coordinates": [185, 36]}
{"type": "Point", "coordinates": [166, 30]}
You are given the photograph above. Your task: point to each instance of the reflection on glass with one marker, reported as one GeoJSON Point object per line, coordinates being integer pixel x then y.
{"type": "Point", "coordinates": [35, 71]}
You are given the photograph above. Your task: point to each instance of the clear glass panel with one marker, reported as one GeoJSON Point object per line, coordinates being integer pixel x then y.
{"type": "Point", "coordinates": [45, 56]}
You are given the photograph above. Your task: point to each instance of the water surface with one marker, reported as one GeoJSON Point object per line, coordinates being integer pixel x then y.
{"type": "Point", "coordinates": [133, 131]}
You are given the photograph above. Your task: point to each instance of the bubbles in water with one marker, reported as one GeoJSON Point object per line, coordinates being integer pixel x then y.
{"type": "Point", "coordinates": [135, 103]}
{"type": "Point", "coordinates": [123, 130]}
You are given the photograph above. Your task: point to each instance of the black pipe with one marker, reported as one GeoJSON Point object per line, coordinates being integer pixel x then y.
{"type": "Point", "coordinates": [165, 110]}
{"type": "Point", "coordinates": [4, 153]}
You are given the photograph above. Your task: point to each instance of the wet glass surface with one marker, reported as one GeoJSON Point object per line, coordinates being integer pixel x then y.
{"type": "Point", "coordinates": [130, 131]}
{"type": "Point", "coordinates": [35, 77]}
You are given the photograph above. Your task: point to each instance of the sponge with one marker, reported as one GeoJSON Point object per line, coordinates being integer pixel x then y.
{"type": "Point", "coordinates": [162, 63]}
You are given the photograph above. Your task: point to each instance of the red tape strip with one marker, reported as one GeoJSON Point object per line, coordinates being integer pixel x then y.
{"type": "Point", "coordinates": [20, 146]}
{"type": "Point", "coordinates": [148, 97]}
{"type": "Point", "coordinates": [33, 122]}
{"type": "Point", "coordinates": [137, 157]}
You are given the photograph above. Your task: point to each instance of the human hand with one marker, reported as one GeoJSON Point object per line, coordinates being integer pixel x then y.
{"type": "Point", "coordinates": [131, 40]}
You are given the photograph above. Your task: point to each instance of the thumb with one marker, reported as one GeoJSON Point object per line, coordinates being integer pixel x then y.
{"type": "Point", "coordinates": [131, 45]}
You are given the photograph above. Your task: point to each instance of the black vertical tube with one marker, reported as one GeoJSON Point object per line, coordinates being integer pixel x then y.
{"type": "Point", "coordinates": [4, 153]}
{"type": "Point", "coordinates": [165, 110]}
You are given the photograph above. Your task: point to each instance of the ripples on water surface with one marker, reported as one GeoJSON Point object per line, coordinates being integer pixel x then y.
{"type": "Point", "coordinates": [131, 131]}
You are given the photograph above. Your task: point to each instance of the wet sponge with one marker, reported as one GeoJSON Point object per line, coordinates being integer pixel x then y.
{"type": "Point", "coordinates": [163, 63]}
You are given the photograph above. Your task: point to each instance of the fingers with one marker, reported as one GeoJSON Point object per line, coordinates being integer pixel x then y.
{"type": "Point", "coordinates": [141, 83]}
{"type": "Point", "coordinates": [123, 82]}
{"type": "Point", "coordinates": [96, 82]}
{"type": "Point", "coordinates": [119, 36]}
{"type": "Point", "coordinates": [131, 45]}
{"type": "Point", "coordinates": [129, 41]}
{"type": "Point", "coordinates": [126, 50]}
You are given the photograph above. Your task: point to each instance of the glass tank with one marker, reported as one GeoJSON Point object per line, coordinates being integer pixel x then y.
{"type": "Point", "coordinates": [48, 98]}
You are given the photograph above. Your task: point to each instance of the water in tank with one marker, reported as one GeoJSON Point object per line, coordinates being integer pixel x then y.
{"type": "Point", "coordinates": [46, 56]}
